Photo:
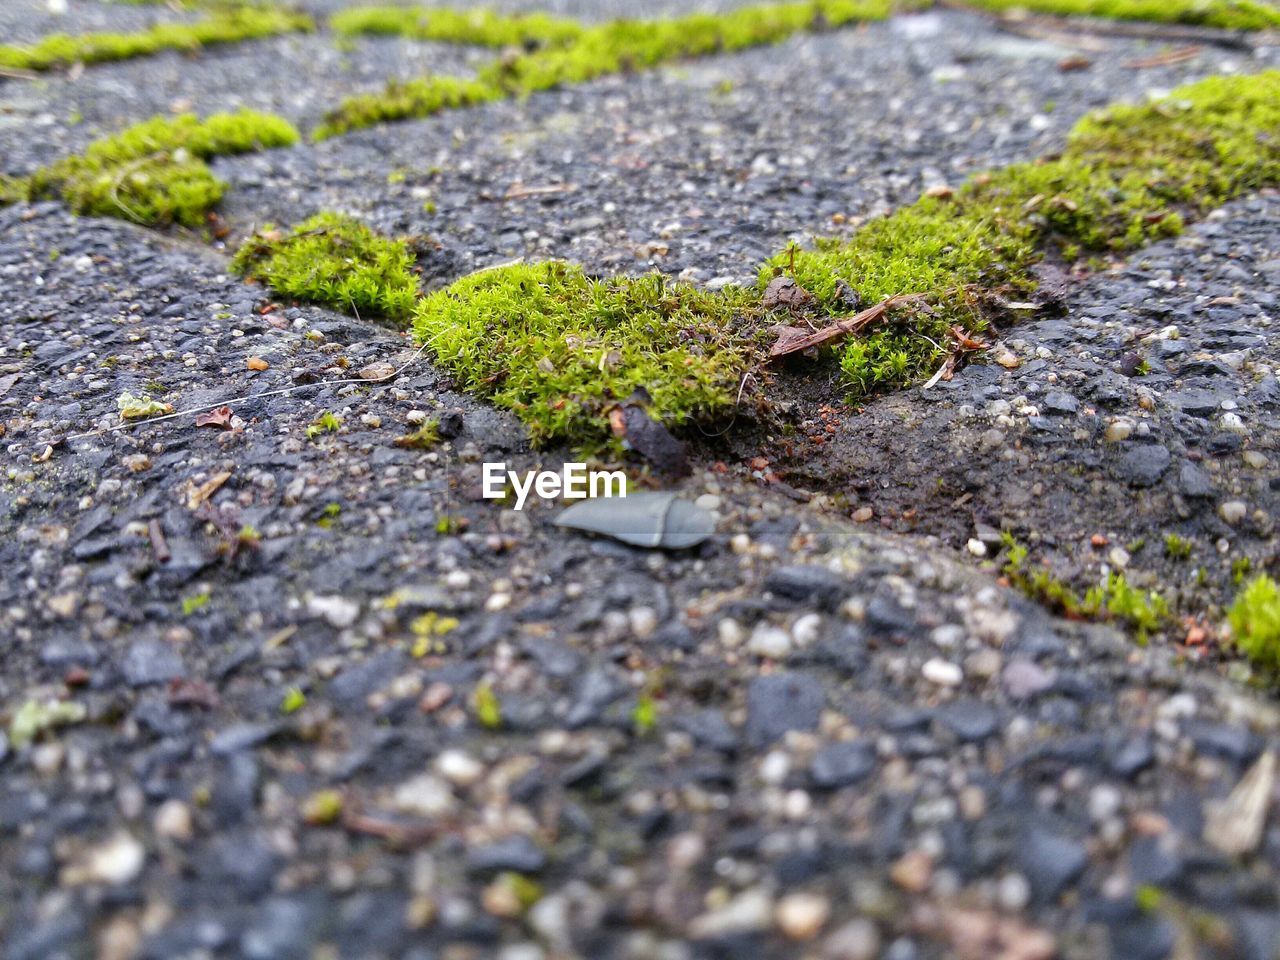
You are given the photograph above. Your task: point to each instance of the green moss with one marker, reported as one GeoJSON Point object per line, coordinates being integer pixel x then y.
{"type": "Point", "coordinates": [426, 437]}
{"type": "Point", "coordinates": [1128, 175]}
{"type": "Point", "coordinates": [1228, 14]}
{"type": "Point", "coordinates": [292, 701]}
{"type": "Point", "coordinates": [195, 603]}
{"type": "Point", "coordinates": [1115, 599]}
{"type": "Point", "coordinates": [1176, 547]}
{"type": "Point", "coordinates": [1255, 622]}
{"type": "Point", "coordinates": [327, 422]}
{"type": "Point", "coordinates": [231, 26]}
{"type": "Point", "coordinates": [484, 28]}
{"type": "Point", "coordinates": [574, 57]}
{"type": "Point", "coordinates": [486, 706]}
{"type": "Point", "coordinates": [559, 348]}
{"type": "Point", "coordinates": [401, 100]}
{"type": "Point", "coordinates": [627, 45]}
{"type": "Point", "coordinates": [155, 172]}
{"type": "Point", "coordinates": [12, 190]}
{"type": "Point", "coordinates": [337, 261]}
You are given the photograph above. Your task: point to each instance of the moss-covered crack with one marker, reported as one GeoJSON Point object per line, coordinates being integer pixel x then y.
{"type": "Point", "coordinates": [154, 172]}
{"type": "Point", "coordinates": [564, 57]}
{"type": "Point", "coordinates": [560, 349]}
{"type": "Point", "coordinates": [1223, 14]}
{"type": "Point", "coordinates": [232, 25]}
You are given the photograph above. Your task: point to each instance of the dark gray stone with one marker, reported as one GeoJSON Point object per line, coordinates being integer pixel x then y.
{"type": "Point", "coordinates": [1144, 465]}
{"type": "Point", "coordinates": [970, 720]}
{"type": "Point", "coordinates": [780, 702]}
{"type": "Point", "coordinates": [518, 854]}
{"type": "Point", "coordinates": [151, 661]}
{"type": "Point", "coordinates": [1050, 861]}
{"type": "Point", "coordinates": [842, 764]}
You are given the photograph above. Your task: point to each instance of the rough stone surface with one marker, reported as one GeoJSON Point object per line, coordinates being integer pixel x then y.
{"type": "Point", "coordinates": [919, 759]}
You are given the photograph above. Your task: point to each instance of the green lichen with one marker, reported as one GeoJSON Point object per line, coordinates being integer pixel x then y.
{"type": "Point", "coordinates": [230, 26]}
{"type": "Point", "coordinates": [1128, 175]}
{"type": "Point", "coordinates": [559, 348]}
{"type": "Point", "coordinates": [569, 58]}
{"type": "Point", "coordinates": [36, 716]}
{"type": "Point", "coordinates": [155, 172]}
{"type": "Point", "coordinates": [482, 28]}
{"type": "Point", "coordinates": [337, 261]}
{"type": "Point", "coordinates": [1227, 14]}
{"type": "Point", "coordinates": [1255, 622]}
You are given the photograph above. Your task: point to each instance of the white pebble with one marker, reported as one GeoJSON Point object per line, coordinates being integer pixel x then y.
{"type": "Point", "coordinates": [856, 940]}
{"type": "Point", "coordinates": [459, 768]}
{"type": "Point", "coordinates": [730, 632]}
{"type": "Point", "coordinates": [173, 821]}
{"type": "Point", "coordinates": [769, 641]}
{"type": "Point", "coordinates": [942, 672]}
{"type": "Point", "coordinates": [1233, 511]}
{"type": "Point", "coordinates": [806, 629]}
{"type": "Point", "coordinates": [338, 611]}
{"type": "Point", "coordinates": [643, 621]}
{"type": "Point", "coordinates": [800, 916]}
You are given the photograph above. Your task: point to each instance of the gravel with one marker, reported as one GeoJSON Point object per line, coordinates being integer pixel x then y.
{"type": "Point", "coordinates": [830, 730]}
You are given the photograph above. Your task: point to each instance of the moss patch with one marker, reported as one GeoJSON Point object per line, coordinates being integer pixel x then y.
{"type": "Point", "coordinates": [1128, 175]}
{"type": "Point", "coordinates": [337, 261]}
{"type": "Point", "coordinates": [1227, 14]}
{"type": "Point", "coordinates": [592, 52]}
{"type": "Point", "coordinates": [1114, 599]}
{"type": "Point", "coordinates": [483, 28]}
{"type": "Point", "coordinates": [230, 26]}
{"type": "Point", "coordinates": [627, 45]}
{"type": "Point", "coordinates": [1255, 622]}
{"type": "Point", "coordinates": [155, 172]}
{"type": "Point", "coordinates": [401, 100]}
{"type": "Point", "coordinates": [559, 348]}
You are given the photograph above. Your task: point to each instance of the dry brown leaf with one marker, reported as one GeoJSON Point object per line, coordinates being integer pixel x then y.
{"type": "Point", "coordinates": [217, 417]}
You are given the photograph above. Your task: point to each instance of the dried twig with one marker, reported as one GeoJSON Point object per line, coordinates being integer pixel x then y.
{"type": "Point", "coordinates": [793, 342]}
{"type": "Point", "coordinates": [1125, 29]}
{"type": "Point", "coordinates": [13, 73]}
{"type": "Point", "coordinates": [398, 834]}
{"type": "Point", "coordinates": [1180, 55]}
{"type": "Point", "coordinates": [159, 546]}
{"type": "Point", "coordinates": [518, 191]}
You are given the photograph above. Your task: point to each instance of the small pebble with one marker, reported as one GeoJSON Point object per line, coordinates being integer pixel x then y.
{"type": "Point", "coordinates": [801, 916]}
{"type": "Point", "coordinates": [942, 672]}
{"type": "Point", "coordinates": [1233, 511]}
